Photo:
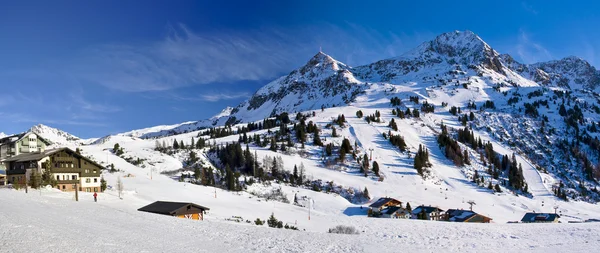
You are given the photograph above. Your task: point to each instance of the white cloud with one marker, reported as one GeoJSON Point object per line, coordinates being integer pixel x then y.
{"type": "Point", "coordinates": [186, 58]}
{"type": "Point", "coordinates": [529, 8]}
{"type": "Point", "coordinates": [222, 96]}
{"type": "Point", "coordinates": [530, 51]}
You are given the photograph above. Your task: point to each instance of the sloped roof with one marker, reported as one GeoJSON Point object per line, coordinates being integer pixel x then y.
{"type": "Point", "coordinates": [393, 209]}
{"type": "Point", "coordinates": [382, 201]}
{"type": "Point", "coordinates": [20, 136]}
{"type": "Point", "coordinates": [428, 209]}
{"type": "Point", "coordinates": [168, 208]}
{"type": "Point", "coordinates": [459, 215]}
{"type": "Point", "coordinates": [33, 156]}
{"type": "Point", "coordinates": [39, 156]}
{"type": "Point", "coordinates": [539, 217]}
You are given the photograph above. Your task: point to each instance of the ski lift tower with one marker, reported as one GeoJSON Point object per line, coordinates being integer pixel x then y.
{"type": "Point", "coordinates": [471, 203]}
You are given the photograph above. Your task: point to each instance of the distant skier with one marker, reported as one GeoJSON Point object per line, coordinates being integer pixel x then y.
{"type": "Point", "coordinates": [95, 197]}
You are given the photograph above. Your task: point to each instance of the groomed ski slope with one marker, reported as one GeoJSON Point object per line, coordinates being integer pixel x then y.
{"type": "Point", "coordinates": [113, 225]}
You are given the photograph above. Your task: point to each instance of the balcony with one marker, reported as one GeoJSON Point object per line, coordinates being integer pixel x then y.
{"type": "Point", "coordinates": [15, 171]}
{"type": "Point", "coordinates": [68, 181]}
{"type": "Point", "coordinates": [90, 174]}
{"type": "Point", "coordinates": [64, 159]}
{"type": "Point", "coordinates": [65, 170]}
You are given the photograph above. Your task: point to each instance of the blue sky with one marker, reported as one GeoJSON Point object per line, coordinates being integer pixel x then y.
{"type": "Point", "coordinates": [99, 67]}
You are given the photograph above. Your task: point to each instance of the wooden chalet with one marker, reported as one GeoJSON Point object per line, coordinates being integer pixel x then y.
{"type": "Point", "coordinates": [378, 206]}
{"type": "Point", "coordinates": [177, 209]}
{"type": "Point", "coordinates": [456, 215]}
{"type": "Point", "coordinates": [395, 212]}
{"type": "Point", "coordinates": [540, 218]}
{"type": "Point", "coordinates": [430, 213]}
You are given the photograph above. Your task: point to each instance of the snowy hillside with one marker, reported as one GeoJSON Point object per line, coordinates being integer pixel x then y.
{"type": "Point", "coordinates": [58, 137]}
{"type": "Point", "coordinates": [452, 124]}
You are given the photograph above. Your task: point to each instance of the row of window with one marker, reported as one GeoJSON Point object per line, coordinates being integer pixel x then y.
{"type": "Point", "coordinates": [89, 180]}
{"type": "Point", "coordinates": [65, 177]}
{"type": "Point", "coordinates": [64, 187]}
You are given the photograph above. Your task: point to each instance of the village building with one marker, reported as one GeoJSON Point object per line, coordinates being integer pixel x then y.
{"type": "Point", "coordinates": [177, 209]}
{"type": "Point", "coordinates": [429, 212]}
{"type": "Point", "coordinates": [23, 143]}
{"type": "Point", "coordinates": [456, 215]}
{"type": "Point", "coordinates": [2, 177]}
{"type": "Point", "coordinates": [395, 212]}
{"type": "Point", "coordinates": [540, 218]}
{"type": "Point", "coordinates": [70, 169]}
{"type": "Point", "coordinates": [378, 206]}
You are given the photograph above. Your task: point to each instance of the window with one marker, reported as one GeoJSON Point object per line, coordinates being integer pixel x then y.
{"type": "Point", "coordinates": [73, 177]}
{"type": "Point", "coordinates": [95, 189]}
{"type": "Point", "coordinates": [64, 187]}
{"type": "Point", "coordinates": [88, 190]}
{"type": "Point", "coordinates": [57, 177]}
{"type": "Point", "coordinates": [95, 180]}
{"type": "Point", "coordinates": [87, 180]}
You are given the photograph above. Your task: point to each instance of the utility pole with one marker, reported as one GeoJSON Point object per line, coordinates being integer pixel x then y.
{"type": "Point", "coordinates": [371, 149]}
{"type": "Point", "coordinates": [215, 192]}
{"type": "Point", "coordinates": [309, 201]}
{"type": "Point", "coordinates": [76, 192]}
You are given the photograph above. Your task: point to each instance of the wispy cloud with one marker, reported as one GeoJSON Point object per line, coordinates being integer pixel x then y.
{"type": "Point", "coordinates": [205, 97]}
{"type": "Point", "coordinates": [77, 97]}
{"type": "Point", "coordinates": [221, 96]}
{"type": "Point", "coordinates": [529, 8]}
{"type": "Point", "coordinates": [186, 58]}
{"type": "Point", "coordinates": [530, 51]}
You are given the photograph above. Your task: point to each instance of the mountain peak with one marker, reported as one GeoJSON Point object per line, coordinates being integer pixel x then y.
{"type": "Point", "coordinates": [322, 62]}
{"type": "Point", "coordinates": [459, 43]}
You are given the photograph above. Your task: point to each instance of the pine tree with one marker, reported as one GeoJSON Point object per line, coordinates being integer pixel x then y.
{"type": "Point", "coordinates": [301, 174]}
{"type": "Point", "coordinates": [333, 132]}
{"type": "Point", "coordinates": [229, 178]}
{"type": "Point", "coordinates": [102, 184]}
{"type": "Point", "coordinates": [497, 188]}
{"type": "Point", "coordinates": [47, 178]}
{"type": "Point", "coordinates": [272, 221]}
{"type": "Point", "coordinates": [317, 138]}
{"type": "Point", "coordinates": [175, 144]}
{"type": "Point", "coordinates": [273, 144]}
{"type": "Point", "coordinates": [408, 208]}
{"type": "Point", "coordinates": [35, 179]}
{"type": "Point", "coordinates": [366, 193]}
{"type": "Point", "coordinates": [295, 175]}
{"type": "Point", "coordinates": [376, 168]}
{"type": "Point", "coordinates": [466, 157]}
{"type": "Point", "coordinates": [181, 144]}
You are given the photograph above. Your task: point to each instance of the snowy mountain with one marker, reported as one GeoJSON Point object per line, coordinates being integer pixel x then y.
{"type": "Point", "coordinates": [322, 82]}
{"type": "Point", "coordinates": [59, 137]}
{"type": "Point", "coordinates": [569, 73]}
{"type": "Point", "coordinates": [523, 138]}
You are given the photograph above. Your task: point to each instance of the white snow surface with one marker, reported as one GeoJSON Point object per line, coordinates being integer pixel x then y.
{"type": "Point", "coordinates": [114, 225]}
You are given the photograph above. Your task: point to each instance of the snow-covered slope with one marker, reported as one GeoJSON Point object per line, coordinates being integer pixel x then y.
{"type": "Point", "coordinates": [114, 225]}
{"type": "Point", "coordinates": [521, 111]}
{"type": "Point", "coordinates": [59, 137]}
